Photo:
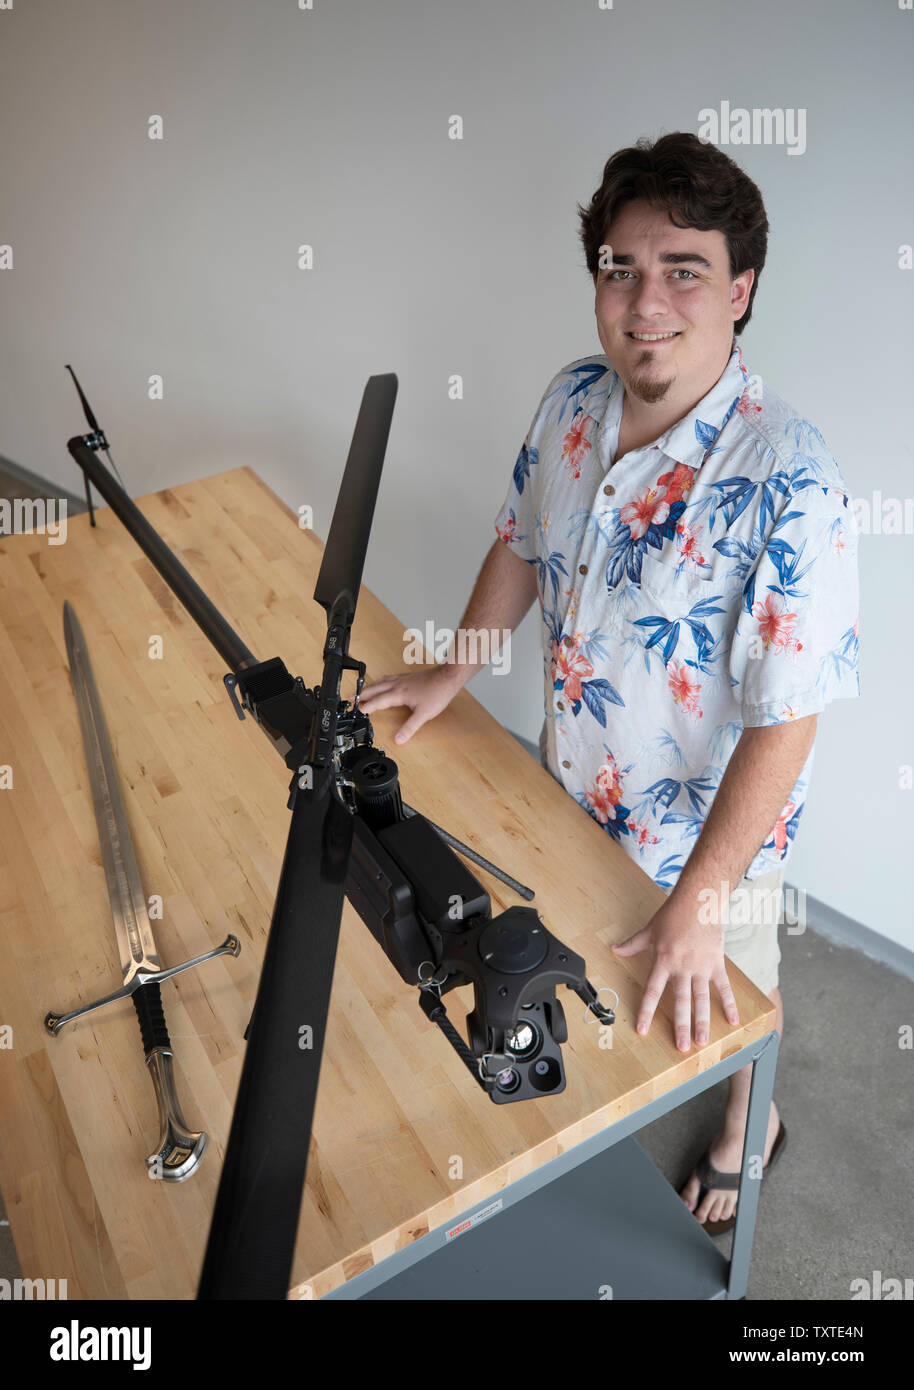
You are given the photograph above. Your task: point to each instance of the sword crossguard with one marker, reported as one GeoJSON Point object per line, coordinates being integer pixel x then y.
{"type": "Point", "coordinates": [53, 1022]}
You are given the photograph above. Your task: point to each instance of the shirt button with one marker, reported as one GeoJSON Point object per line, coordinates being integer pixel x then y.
{"type": "Point", "coordinates": [567, 639]}
{"type": "Point", "coordinates": [559, 705]}
{"type": "Point", "coordinates": [609, 490]}
{"type": "Point", "coordinates": [566, 764]}
{"type": "Point", "coordinates": [582, 569]}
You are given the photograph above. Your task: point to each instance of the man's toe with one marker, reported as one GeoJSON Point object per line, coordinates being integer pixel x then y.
{"type": "Point", "coordinates": [704, 1207]}
{"type": "Point", "coordinates": [689, 1193]}
{"type": "Point", "coordinates": [715, 1205]}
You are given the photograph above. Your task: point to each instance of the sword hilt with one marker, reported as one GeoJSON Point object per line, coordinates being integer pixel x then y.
{"type": "Point", "coordinates": [179, 1149]}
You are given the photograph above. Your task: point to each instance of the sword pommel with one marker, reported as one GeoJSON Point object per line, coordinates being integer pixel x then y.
{"type": "Point", "coordinates": [179, 1149]}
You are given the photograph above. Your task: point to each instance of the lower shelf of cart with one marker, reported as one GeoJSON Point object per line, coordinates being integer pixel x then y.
{"type": "Point", "coordinates": [612, 1228]}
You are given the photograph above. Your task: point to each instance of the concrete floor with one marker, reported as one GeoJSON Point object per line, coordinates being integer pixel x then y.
{"type": "Point", "coordinates": [840, 1202]}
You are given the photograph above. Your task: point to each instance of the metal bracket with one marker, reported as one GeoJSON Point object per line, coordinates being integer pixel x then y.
{"type": "Point", "coordinates": [231, 682]}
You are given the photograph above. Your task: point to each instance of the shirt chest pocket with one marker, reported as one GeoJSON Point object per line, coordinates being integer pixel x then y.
{"type": "Point", "coordinates": [676, 588]}
{"type": "Point", "coordinates": [666, 607]}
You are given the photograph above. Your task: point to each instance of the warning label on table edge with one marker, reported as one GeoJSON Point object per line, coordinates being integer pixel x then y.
{"type": "Point", "coordinates": [473, 1220]}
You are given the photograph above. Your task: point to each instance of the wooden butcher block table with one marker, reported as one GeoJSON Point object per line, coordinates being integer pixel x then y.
{"type": "Point", "coordinates": [206, 801]}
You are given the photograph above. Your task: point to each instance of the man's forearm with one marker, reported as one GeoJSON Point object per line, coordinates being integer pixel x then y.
{"type": "Point", "coordinates": [502, 596]}
{"type": "Point", "coordinates": [753, 791]}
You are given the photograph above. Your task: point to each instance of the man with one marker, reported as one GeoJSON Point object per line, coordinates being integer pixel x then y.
{"type": "Point", "coordinates": [692, 546]}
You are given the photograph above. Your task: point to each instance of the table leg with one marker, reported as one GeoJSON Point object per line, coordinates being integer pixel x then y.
{"type": "Point", "coordinates": [761, 1091]}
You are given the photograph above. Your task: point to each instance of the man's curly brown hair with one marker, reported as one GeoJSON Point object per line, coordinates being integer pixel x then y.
{"type": "Point", "coordinates": [696, 183]}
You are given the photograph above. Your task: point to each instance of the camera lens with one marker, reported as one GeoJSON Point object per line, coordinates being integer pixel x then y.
{"type": "Point", "coordinates": [546, 1075]}
{"type": "Point", "coordinates": [525, 1041]}
{"type": "Point", "coordinates": [508, 1080]}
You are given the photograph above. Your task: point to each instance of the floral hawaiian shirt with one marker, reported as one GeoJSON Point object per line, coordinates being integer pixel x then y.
{"type": "Point", "coordinates": [704, 584]}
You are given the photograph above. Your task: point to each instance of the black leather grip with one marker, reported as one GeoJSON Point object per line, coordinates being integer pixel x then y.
{"type": "Point", "coordinates": [147, 1000]}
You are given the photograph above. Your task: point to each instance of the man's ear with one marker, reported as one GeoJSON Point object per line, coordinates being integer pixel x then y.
{"type": "Point", "coordinates": [739, 292]}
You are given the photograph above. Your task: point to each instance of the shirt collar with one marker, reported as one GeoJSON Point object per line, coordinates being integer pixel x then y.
{"type": "Point", "coordinates": [693, 437]}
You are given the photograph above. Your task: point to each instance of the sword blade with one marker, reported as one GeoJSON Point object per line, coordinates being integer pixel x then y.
{"type": "Point", "coordinates": [125, 890]}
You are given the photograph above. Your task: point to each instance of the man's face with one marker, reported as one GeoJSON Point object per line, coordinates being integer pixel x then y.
{"type": "Point", "coordinates": [667, 279]}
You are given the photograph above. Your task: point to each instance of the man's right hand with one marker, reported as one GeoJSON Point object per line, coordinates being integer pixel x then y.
{"type": "Point", "coordinates": [426, 693]}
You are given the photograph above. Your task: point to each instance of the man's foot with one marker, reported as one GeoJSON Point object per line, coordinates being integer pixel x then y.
{"type": "Point", "coordinates": [726, 1155]}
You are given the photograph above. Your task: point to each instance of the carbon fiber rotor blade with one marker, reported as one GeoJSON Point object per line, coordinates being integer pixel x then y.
{"type": "Point", "coordinates": [252, 1236]}
{"type": "Point", "coordinates": [340, 575]}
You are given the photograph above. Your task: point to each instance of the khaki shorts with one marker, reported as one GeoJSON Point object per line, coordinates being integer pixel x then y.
{"type": "Point", "coordinates": [756, 908]}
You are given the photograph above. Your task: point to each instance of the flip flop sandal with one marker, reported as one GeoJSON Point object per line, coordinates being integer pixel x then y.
{"type": "Point", "coordinates": [711, 1177]}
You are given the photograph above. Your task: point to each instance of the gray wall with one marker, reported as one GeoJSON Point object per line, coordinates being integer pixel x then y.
{"type": "Point", "coordinates": [432, 256]}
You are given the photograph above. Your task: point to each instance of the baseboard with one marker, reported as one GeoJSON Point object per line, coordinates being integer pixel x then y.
{"type": "Point", "coordinates": [75, 505]}
{"type": "Point", "coordinates": [841, 930]}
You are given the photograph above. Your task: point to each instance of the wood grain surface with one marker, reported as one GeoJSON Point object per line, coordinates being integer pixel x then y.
{"type": "Point", "coordinates": [404, 1139]}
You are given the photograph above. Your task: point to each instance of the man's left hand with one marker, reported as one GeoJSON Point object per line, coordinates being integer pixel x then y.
{"type": "Point", "coordinates": [691, 954]}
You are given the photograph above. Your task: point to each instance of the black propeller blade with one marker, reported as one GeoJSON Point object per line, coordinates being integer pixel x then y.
{"type": "Point", "coordinates": [255, 1220]}
{"type": "Point", "coordinates": [340, 575]}
{"type": "Point", "coordinates": [91, 421]}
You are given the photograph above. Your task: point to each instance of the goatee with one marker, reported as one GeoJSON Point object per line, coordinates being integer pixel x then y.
{"type": "Point", "coordinates": [649, 388]}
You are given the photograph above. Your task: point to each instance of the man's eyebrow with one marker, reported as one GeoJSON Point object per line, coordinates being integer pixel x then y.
{"type": "Point", "coordinates": [667, 258]}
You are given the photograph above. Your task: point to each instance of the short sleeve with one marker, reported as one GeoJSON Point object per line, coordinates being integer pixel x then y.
{"type": "Point", "coordinates": [795, 646]}
{"type": "Point", "coordinates": [516, 522]}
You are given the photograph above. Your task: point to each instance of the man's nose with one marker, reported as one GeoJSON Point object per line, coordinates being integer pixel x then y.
{"type": "Point", "coordinates": [651, 297]}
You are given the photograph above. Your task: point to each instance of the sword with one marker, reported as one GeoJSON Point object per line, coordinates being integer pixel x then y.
{"type": "Point", "coordinates": [179, 1149]}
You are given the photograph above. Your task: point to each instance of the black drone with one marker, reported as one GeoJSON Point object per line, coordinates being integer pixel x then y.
{"type": "Point", "coordinates": [351, 835]}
